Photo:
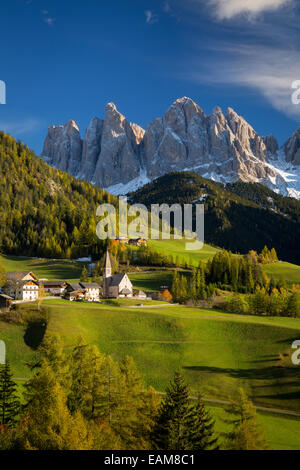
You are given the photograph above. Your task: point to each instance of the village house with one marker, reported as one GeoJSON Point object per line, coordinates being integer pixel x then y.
{"type": "Point", "coordinates": [74, 292]}
{"type": "Point", "coordinates": [122, 239]}
{"type": "Point", "coordinates": [138, 242]}
{"type": "Point", "coordinates": [91, 291]}
{"type": "Point", "coordinates": [54, 287]}
{"type": "Point", "coordinates": [21, 276]}
{"type": "Point", "coordinates": [21, 286]}
{"type": "Point", "coordinates": [5, 302]}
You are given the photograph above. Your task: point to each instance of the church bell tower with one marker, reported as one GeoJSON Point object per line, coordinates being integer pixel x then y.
{"type": "Point", "coordinates": [106, 274]}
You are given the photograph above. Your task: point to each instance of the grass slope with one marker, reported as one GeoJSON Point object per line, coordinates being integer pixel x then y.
{"type": "Point", "coordinates": [212, 348]}
{"type": "Point", "coordinates": [177, 248]}
{"type": "Point", "coordinates": [286, 271]}
{"type": "Point", "coordinates": [217, 352]}
{"type": "Point", "coordinates": [43, 268]}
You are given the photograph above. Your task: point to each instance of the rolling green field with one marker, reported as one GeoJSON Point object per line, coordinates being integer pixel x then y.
{"type": "Point", "coordinates": [151, 281]}
{"type": "Point", "coordinates": [217, 352]}
{"type": "Point", "coordinates": [177, 248]}
{"type": "Point", "coordinates": [211, 347]}
{"type": "Point", "coordinates": [285, 271]}
{"type": "Point", "coordinates": [43, 268]}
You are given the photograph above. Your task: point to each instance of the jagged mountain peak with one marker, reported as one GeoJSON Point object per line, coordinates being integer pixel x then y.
{"type": "Point", "coordinates": [119, 155]}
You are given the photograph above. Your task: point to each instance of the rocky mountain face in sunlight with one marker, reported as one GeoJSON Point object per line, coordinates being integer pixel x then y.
{"type": "Point", "coordinates": [120, 156]}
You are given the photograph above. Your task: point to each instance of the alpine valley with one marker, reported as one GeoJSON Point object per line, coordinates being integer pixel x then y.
{"type": "Point", "coordinates": [121, 157]}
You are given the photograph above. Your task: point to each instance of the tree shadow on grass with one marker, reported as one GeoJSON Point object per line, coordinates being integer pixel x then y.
{"type": "Point", "coordinates": [264, 373]}
{"type": "Point", "coordinates": [34, 333]}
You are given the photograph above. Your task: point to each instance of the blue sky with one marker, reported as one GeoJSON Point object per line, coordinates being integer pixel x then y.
{"type": "Point", "coordinates": [65, 60]}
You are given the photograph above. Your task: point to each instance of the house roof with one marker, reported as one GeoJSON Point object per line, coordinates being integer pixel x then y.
{"type": "Point", "coordinates": [90, 285]}
{"type": "Point", "coordinates": [53, 283]}
{"type": "Point", "coordinates": [75, 287]}
{"type": "Point", "coordinates": [10, 283]}
{"type": "Point", "coordinates": [18, 275]}
{"type": "Point", "coordinates": [6, 296]}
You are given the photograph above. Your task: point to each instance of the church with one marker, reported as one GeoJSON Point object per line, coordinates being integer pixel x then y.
{"type": "Point", "coordinates": [115, 286]}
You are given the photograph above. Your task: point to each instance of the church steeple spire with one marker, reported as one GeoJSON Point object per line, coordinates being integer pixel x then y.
{"type": "Point", "coordinates": [107, 266]}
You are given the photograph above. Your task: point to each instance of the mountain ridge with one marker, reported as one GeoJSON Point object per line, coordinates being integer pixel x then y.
{"type": "Point", "coordinates": [121, 156]}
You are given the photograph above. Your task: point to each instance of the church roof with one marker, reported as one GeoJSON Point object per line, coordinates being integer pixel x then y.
{"type": "Point", "coordinates": [116, 279]}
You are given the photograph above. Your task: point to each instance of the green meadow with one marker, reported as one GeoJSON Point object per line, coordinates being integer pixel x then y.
{"type": "Point", "coordinates": [176, 248]}
{"type": "Point", "coordinates": [43, 268]}
{"type": "Point", "coordinates": [217, 352]}
{"type": "Point", "coordinates": [285, 271]}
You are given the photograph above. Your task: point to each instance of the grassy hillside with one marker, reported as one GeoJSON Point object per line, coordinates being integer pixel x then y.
{"type": "Point", "coordinates": [176, 248]}
{"type": "Point", "coordinates": [210, 346]}
{"type": "Point", "coordinates": [286, 271]}
{"type": "Point", "coordinates": [43, 268]}
{"type": "Point", "coordinates": [282, 433]}
{"type": "Point", "coordinates": [217, 352]}
{"type": "Point", "coordinates": [234, 218]}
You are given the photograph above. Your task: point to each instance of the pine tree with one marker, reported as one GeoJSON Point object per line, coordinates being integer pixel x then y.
{"type": "Point", "coordinates": [246, 433]}
{"type": "Point", "coordinates": [170, 431]}
{"type": "Point", "coordinates": [84, 277]}
{"type": "Point", "coordinates": [9, 400]}
{"type": "Point", "coordinates": [175, 286]}
{"type": "Point", "coordinates": [200, 429]}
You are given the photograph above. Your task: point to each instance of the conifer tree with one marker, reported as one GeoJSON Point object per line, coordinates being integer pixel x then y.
{"type": "Point", "coordinates": [181, 424]}
{"type": "Point", "coordinates": [9, 400]}
{"type": "Point", "coordinates": [84, 277]}
{"type": "Point", "coordinates": [170, 432]}
{"type": "Point", "coordinates": [246, 433]}
{"type": "Point", "coordinates": [200, 429]}
{"type": "Point", "coordinates": [175, 285]}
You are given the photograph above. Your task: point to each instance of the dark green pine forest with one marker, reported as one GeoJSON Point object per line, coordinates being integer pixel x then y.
{"type": "Point", "coordinates": [45, 212]}
{"type": "Point", "coordinates": [238, 216]}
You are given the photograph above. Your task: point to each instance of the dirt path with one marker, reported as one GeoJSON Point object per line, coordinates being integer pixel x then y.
{"type": "Point", "coordinates": [216, 401]}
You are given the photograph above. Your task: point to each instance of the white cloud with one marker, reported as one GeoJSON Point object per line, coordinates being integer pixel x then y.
{"type": "Point", "coordinates": [226, 9]}
{"type": "Point", "coordinates": [269, 71]}
{"type": "Point", "coordinates": [21, 127]}
{"type": "Point", "coordinates": [151, 17]}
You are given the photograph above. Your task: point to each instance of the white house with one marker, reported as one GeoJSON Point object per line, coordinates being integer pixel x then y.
{"type": "Point", "coordinates": [91, 291]}
{"type": "Point", "coordinates": [54, 287]}
{"type": "Point", "coordinates": [22, 286]}
{"type": "Point", "coordinates": [22, 290]}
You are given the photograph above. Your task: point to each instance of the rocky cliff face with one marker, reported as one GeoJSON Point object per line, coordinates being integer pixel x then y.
{"type": "Point", "coordinates": [292, 148]}
{"type": "Point", "coordinates": [63, 147]}
{"type": "Point", "coordinates": [116, 154]}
